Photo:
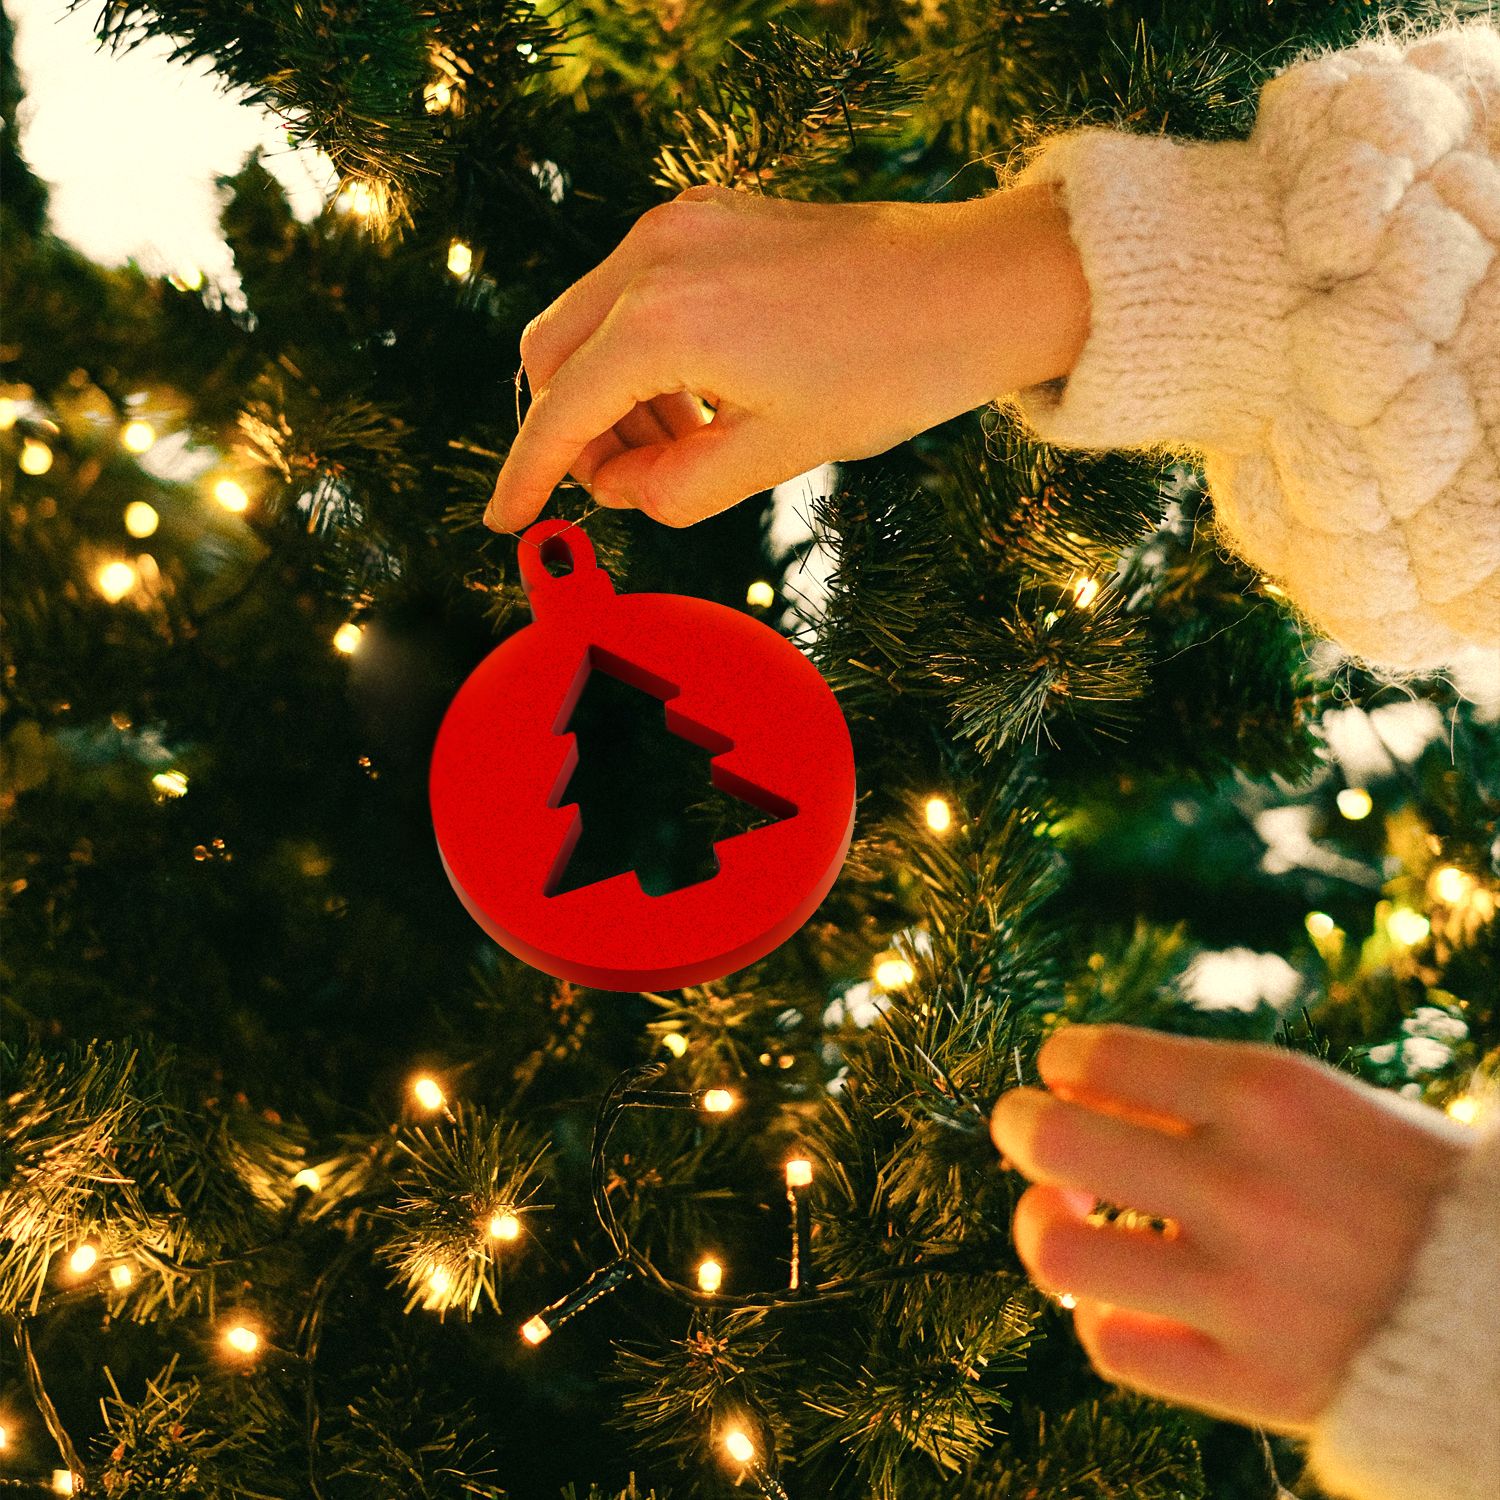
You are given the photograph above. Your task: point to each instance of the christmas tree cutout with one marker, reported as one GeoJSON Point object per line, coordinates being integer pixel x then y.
{"type": "Point", "coordinates": [648, 797]}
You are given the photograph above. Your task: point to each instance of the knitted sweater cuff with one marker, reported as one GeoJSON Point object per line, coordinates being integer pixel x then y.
{"type": "Point", "coordinates": [1182, 247]}
{"type": "Point", "coordinates": [1415, 1417]}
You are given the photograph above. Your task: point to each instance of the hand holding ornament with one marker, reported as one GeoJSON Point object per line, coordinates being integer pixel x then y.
{"type": "Point", "coordinates": [814, 332]}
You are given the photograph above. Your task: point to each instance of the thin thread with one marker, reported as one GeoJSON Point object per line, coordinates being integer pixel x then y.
{"type": "Point", "coordinates": [594, 508]}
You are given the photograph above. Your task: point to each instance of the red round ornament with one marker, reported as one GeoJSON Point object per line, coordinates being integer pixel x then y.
{"type": "Point", "coordinates": [730, 684]}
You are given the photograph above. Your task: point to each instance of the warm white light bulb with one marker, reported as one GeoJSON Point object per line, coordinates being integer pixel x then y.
{"type": "Point", "coordinates": [242, 1339]}
{"type": "Point", "coordinates": [137, 436]}
{"type": "Point", "coordinates": [675, 1043]}
{"type": "Point", "coordinates": [1319, 925]}
{"type": "Point", "coordinates": [504, 1226]}
{"type": "Point", "coordinates": [738, 1445]}
{"type": "Point", "coordinates": [534, 1330]}
{"type": "Point", "coordinates": [307, 1178]}
{"type": "Point", "coordinates": [1085, 591]}
{"type": "Point", "coordinates": [460, 258]}
{"type": "Point", "coordinates": [347, 638]}
{"type": "Point", "coordinates": [4, 1437]}
{"type": "Point", "coordinates": [141, 519]}
{"type": "Point", "coordinates": [939, 815]}
{"type": "Point", "coordinates": [1354, 802]}
{"type": "Point", "coordinates": [121, 1276]}
{"type": "Point", "coordinates": [116, 579]}
{"type": "Point", "coordinates": [1450, 884]}
{"type": "Point", "coordinates": [892, 972]}
{"type": "Point", "coordinates": [799, 1172]}
{"type": "Point", "coordinates": [1407, 927]}
{"type": "Point", "coordinates": [231, 495]}
{"type": "Point", "coordinates": [170, 784]}
{"type": "Point", "coordinates": [83, 1259]}
{"type": "Point", "coordinates": [367, 199]}
{"type": "Point", "coordinates": [427, 1093]}
{"type": "Point", "coordinates": [1067, 1300]}
{"type": "Point", "coordinates": [1464, 1109]}
{"type": "Point", "coordinates": [718, 1101]}
{"type": "Point", "coordinates": [36, 458]}
{"type": "Point", "coordinates": [62, 1481]}
{"type": "Point", "coordinates": [439, 1282]}
{"type": "Point", "coordinates": [710, 1275]}
{"type": "Point", "coordinates": [9, 411]}
{"type": "Point", "coordinates": [760, 595]}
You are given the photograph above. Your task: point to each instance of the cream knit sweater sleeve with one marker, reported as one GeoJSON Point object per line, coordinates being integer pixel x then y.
{"type": "Point", "coordinates": [1316, 311]}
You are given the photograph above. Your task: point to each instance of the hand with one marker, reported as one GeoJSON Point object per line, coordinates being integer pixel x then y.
{"type": "Point", "coordinates": [815, 331]}
{"type": "Point", "coordinates": [1296, 1197]}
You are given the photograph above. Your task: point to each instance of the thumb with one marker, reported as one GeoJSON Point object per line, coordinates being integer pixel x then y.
{"type": "Point", "coordinates": [697, 475]}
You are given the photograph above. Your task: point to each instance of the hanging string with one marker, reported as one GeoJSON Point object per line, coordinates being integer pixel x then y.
{"type": "Point", "coordinates": [594, 507]}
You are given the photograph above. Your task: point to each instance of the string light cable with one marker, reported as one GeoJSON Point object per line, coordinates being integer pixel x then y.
{"type": "Point", "coordinates": [632, 1090]}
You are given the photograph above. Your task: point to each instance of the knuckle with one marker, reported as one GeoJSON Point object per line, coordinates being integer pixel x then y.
{"type": "Point", "coordinates": [1272, 1086]}
{"type": "Point", "coordinates": [652, 297]}
{"type": "Point", "coordinates": [702, 192]}
{"type": "Point", "coordinates": [663, 224]}
{"type": "Point", "coordinates": [662, 309]}
{"type": "Point", "coordinates": [539, 356]}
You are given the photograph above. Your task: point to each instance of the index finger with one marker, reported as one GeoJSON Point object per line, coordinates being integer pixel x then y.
{"type": "Point", "coordinates": [1170, 1081]}
{"type": "Point", "coordinates": [629, 358]}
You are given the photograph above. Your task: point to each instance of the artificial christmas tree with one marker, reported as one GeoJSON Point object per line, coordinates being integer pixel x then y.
{"type": "Point", "coordinates": [307, 1188]}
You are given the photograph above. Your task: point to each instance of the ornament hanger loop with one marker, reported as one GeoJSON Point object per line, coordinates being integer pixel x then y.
{"type": "Point", "coordinates": [556, 543]}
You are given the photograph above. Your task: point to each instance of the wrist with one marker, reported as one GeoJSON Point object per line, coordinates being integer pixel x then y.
{"type": "Point", "coordinates": [1183, 250]}
{"type": "Point", "coordinates": [1018, 257]}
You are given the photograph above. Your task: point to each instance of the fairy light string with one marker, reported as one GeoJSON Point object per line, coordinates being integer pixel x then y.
{"type": "Point", "coordinates": [741, 1449]}
{"type": "Point", "coordinates": [555, 1314]}
{"type": "Point", "coordinates": [632, 1090]}
{"type": "Point", "coordinates": [799, 1176]}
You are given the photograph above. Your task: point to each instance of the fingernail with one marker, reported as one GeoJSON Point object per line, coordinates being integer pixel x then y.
{"type": "Point", "coordinates": [492, 509]}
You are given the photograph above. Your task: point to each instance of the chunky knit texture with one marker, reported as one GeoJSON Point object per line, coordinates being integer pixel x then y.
{"type": "Point", "coordinates": [1417, 1416]}
{"type": "Point", "coordinates": [1316, 312]}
